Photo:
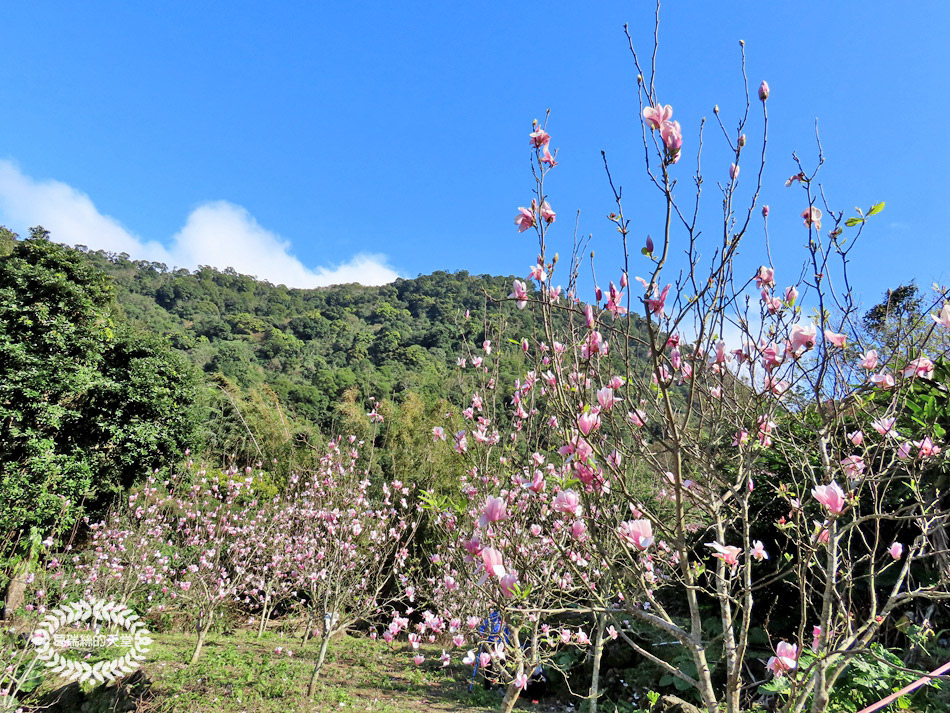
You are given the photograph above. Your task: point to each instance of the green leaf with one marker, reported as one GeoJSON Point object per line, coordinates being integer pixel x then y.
{"type": "Point", "coordinates": [876, 208]}
{"type": "Point", "coordinates": [851, 222]}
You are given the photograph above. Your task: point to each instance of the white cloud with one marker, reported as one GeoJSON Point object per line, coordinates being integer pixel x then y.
{"type": "Point", "coordinates": [219, 234]}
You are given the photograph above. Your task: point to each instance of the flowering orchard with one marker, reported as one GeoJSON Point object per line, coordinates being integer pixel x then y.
{"type": "Point", "coordinates": [766, 502]}
{"type": "Point", "coordinates": [204, 544]}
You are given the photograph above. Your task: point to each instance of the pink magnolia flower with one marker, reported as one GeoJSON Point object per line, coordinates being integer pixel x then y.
{"type": "Point", "coordinates": [903, 452]}
{"type": "Point", "coordinates": [588, 421]}
{"type": "Point", "coordinates": [614, 305]}
{"type": "Point", "coordinates": [921, 366]}
{"type": "Point", "coordinates": [785, 659]}
{"type": "Point", "coordinates": [774, 385]}
{"type": "Point", "coordinates": [492, 560]}
{"type": "Point", "coordinates": [539, 137]}
{"type": "Point", "coordinates": [883, 380]}
{"type": "Point", "coordinates": [418, 659]}
{"type": "Point", "coordinates": [791, 294]}
{"type": "Point", "coordinates": [606, 398]}
{"type": "Point", "coordinates": [546, 156]}
{"type": "Point", "coordinates": [869, 359]}
{"type": "Point", "coordinates": [673, 140]}
{"type": "Point", "coordinates": [815, 636]}
{"type": "Point", "coordinates": [803, 338]}
{"type": "Point", "coordinates": [857, 438]}
{"type": "Point", "coordinates": [797, 177]}
{"type": "Point", "coordinates": [538, 273]}
{"type": "Point", "coordinates": [657, 303]}
{"type": "Point", "coordinates": [836, 339]}
{"type": "Point", "coordinates": [521, 681]}
{"type": "Point", "coordinates": [524, 219]}
{"type": "Point", "coordinates": [765, 431]}
{"type": "Point", "coordinates": [884, 426]}
{"type": "Point", "coordinates": [484, 659]}
{"type": "Point", "coordinates": [720, 357]}
{"type": "Point", "coordinates": [638, 533]}
{"type": "Point", "coordinates": [676, 359]}
{"type": "Point", "coordinates": [567, 502]}
{"type": "Point", "coordinates": [734, 170]}
{"type": "Point", "coordinates": [812, 216]}
{"type": "Point", "coordinates": [547, 213]}
{"type": "Point", "coordinates": [520, 294]}
{"type": "Point", "coordinates": [772, 304]}
{"type": "Point", "coordinates": [764, 91]}
{"type": "Point", "coordinates": [740, 438]}
{"type": "Point", "coordinates": [943, 317]}
{"type": "Point", "coordinates": [927, 448]}
{"type": "Point", "coordinates": [727, 553]}
{"type": "Point", "coordinates": [831, 496]}
{"type": "Point", "coordinates": [853, 466]}
{"type": "Point", "coordinates": [896, 550]}
{"type": "Point", "coordinates": [495, 509]}
{"type": "Point", "coordinates": [579, 530]}
{"type": "Point", "coordinates": [758, 550]}
{"type": "Point", "coordinates": [656, 116]}
{"type": "Point", "coordinates": [507, 583]}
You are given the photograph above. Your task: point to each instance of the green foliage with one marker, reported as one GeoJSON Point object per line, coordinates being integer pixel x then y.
{"type": "Point", "coordinates": [87, 406]}
{"type": "Point", "coordinates": [871, 675]}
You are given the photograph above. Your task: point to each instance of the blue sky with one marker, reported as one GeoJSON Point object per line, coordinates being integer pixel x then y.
{"type": "Point", "coordinates": [310, 142]}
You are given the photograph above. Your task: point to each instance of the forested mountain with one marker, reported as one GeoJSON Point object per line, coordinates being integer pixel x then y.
{"type": "Point", "coordinates": [313, 345]}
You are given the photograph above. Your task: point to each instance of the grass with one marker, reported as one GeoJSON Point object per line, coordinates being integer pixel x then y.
{"type": "Point", "coordinates": [239, 673]}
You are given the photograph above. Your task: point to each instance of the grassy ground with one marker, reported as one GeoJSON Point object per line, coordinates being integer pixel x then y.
{"type": "Point", "coordinates": [241, 674]}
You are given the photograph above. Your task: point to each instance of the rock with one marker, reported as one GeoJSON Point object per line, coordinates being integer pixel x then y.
{"type": "Point", "coordinates": [673, 704]}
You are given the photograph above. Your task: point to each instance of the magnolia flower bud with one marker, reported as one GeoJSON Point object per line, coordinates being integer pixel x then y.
{"type": "Point", "coordinates": [765, 211]}
{"type": "Point", "coordinates": [764, 91]}
{"type": "Point", "coordinates": [742, 141]}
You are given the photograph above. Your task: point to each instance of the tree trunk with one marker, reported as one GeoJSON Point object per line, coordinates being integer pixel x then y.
{"type": "Point", "coordinates": [202, 635]}
{"type": "Point", "coordinates": [307, 630]}
{"type": "Point", "coordinates": [16, 591]}
{"type": "Point", "coordinates": [511, 697]}
{"type": "Point", "coordinates": [312, 688]}
{"type": "Point", "coordinates": [264, 615]}
{"type": "Point", "coordinates": [595, 674]}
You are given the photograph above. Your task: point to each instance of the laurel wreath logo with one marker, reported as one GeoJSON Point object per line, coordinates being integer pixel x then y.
{"type": "Point", "coordinates": [97, 610]}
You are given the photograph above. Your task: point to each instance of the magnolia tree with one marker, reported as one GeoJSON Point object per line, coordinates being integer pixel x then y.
{"type": "Point", "coordinates": [347, 541]}
{"type": "Point", "coordinates": [264, 561]}
{"type": "Point", "coordinates": [173, 545]}
{"type": "Point", "coordinates": [755, 478]}
{"type": "Point", "coordinates": [514, 566]}
{"type": "Point", "coordinates": [329, 543]}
